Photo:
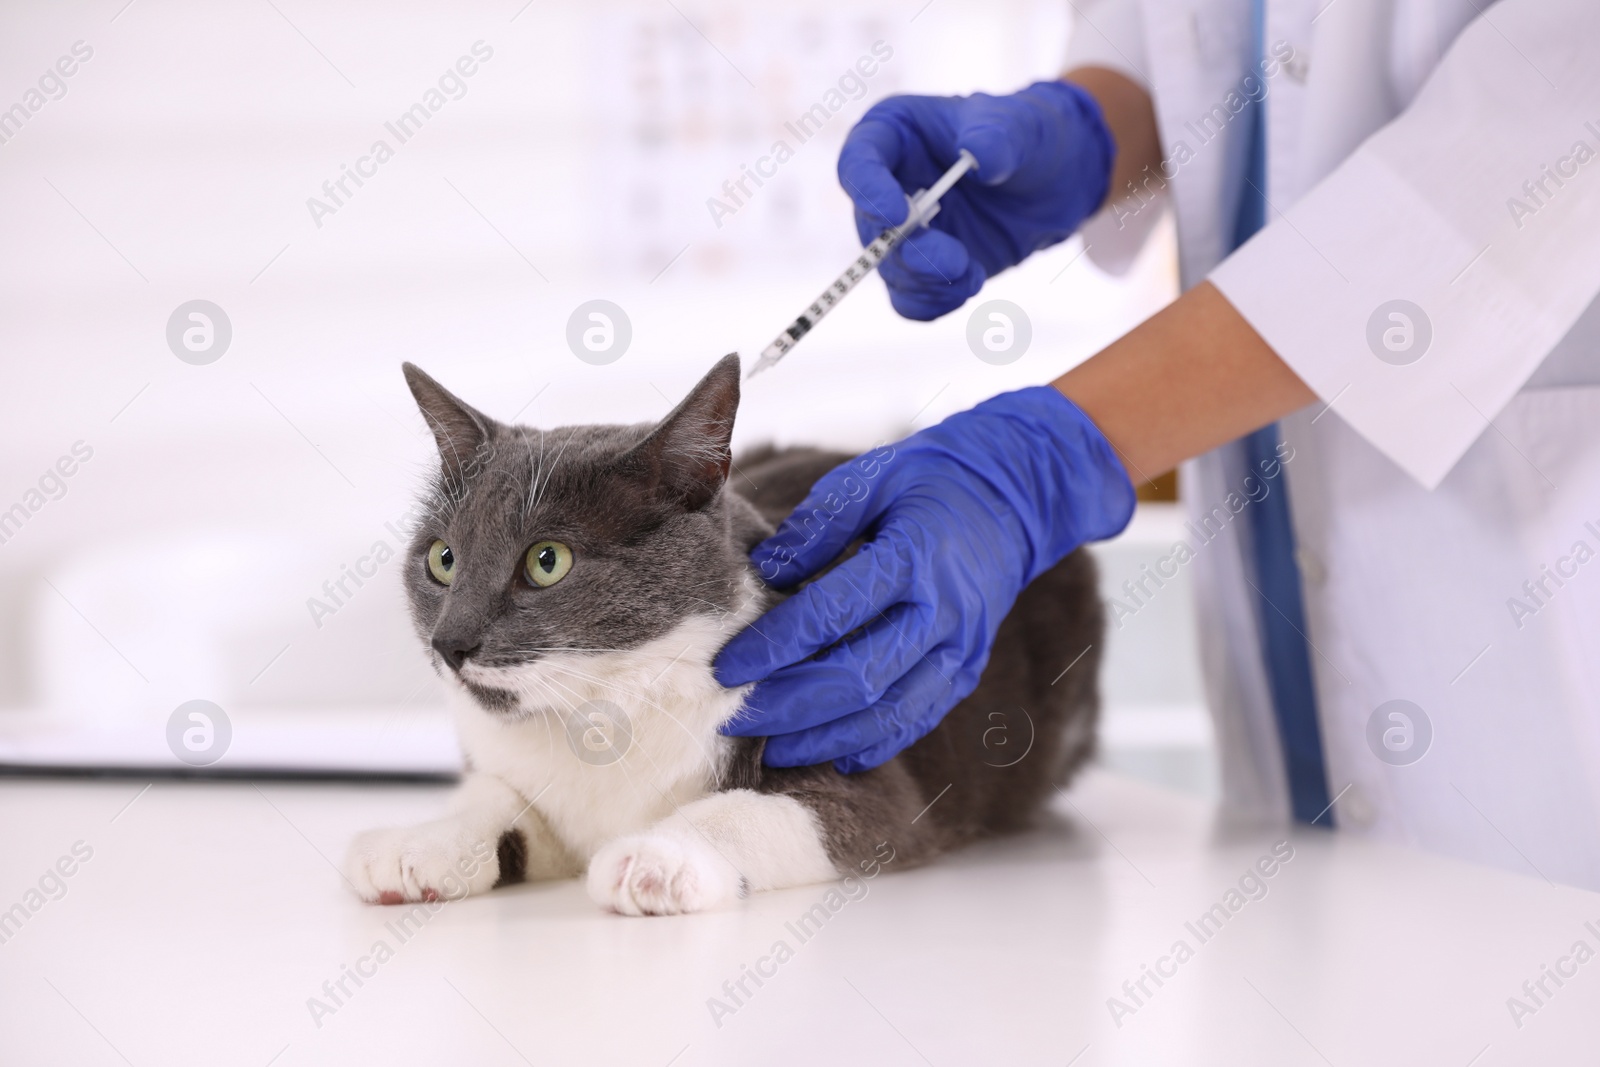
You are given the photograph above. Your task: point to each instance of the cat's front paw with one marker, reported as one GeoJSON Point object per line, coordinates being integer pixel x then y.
{"type": "Point", "coordinates": [653, 874]}
{"type": "Point", "coordinates": [440, 860]}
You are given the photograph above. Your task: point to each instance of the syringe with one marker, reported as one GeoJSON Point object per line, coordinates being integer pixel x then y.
{"type": "Point", "coordinates": [924, 205]}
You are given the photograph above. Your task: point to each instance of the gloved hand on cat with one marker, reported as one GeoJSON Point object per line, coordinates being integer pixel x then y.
{"type": "Point", "coordinates": [1044, 165]}
{"type": "Point", "coordinates": [960, 517]}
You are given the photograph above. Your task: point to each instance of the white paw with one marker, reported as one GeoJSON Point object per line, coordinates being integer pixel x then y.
{"type": "Point", "coordinates": [658, 875]}
{"type": "Point", "coordinates": [435, 861]}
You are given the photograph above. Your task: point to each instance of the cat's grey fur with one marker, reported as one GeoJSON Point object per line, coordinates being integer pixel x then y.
{"type": "Point", "coordinates": [661, 533]}
{"type": "Point", "coordinates": [1023, 703]}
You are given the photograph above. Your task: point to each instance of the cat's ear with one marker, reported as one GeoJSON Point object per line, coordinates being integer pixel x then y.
{"type": "Point", "coordinates": [688, 454]}
{"type": "Point", "coordinates": [458, 429]}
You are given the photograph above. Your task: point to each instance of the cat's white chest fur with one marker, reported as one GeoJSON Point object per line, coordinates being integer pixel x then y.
{"type": "Point", "coordinates": [608, 743]}
{"type": "Point", "coordinates": [611, 769]}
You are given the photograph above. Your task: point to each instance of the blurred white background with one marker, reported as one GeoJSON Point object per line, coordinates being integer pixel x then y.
{"type": "Point", "coordinates": [575, 163]}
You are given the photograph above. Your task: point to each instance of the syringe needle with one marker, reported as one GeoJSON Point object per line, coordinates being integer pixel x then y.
{"type": "Point", "coordinates": [768, 357]}
{"type": "Point", "coordinates": [923, 206]}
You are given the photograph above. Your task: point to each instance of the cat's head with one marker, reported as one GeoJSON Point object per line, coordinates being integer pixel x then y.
{"type": "Point", "coordinates": [535, 543]}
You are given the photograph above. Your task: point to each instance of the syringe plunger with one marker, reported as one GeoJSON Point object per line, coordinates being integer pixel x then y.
{"type": "Point", "coordinates": [921, 208]}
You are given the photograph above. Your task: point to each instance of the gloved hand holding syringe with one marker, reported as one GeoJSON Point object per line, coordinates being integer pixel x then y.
{"type": "Point", "coordinates": [923, 206]}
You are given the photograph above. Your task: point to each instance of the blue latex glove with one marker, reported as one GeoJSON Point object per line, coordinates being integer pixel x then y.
{"type": "Point", "coordinates": [959, 518]}
{"type": "Point", "coordinates": [1044, 165]}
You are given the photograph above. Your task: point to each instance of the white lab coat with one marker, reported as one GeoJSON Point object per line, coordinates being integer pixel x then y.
{"type": "Point", "coordinates": [1408, 144]}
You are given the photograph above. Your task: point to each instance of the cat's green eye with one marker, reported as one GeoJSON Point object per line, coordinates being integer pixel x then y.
{"type": "Point", "coordinates": [442, 562]}
{"type": "Point", "coordinates": [548, 563]}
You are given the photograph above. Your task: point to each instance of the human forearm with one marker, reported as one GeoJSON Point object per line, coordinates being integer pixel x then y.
{"type": "Point", "coordinates": [1131, 118]}
{"type": "Point", "coordinates": [1191, 377]}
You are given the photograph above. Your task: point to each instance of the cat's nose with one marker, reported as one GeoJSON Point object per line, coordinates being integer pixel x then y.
{"type": "Point", "coordinates": [454, 650]}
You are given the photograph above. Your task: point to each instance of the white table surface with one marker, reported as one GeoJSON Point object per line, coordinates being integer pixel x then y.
{"type": "Point", "coordinates": [210, 913]}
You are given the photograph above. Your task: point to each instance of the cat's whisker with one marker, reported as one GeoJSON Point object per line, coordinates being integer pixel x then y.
{"type": "Point", "coordinates": [527, 500]}
{"type": "Point", "coordinates": [622, 757]}
{"type": "Point", "coordinates": [539, 490]}
{"type": "Point", "coordinates": [721, 609]}
{"type": "Point", "coordinates": [547, 685]}
{"type": "Point", "coordinates": [533, 485]}
{"type": "Point", "coordinates": [602, 683]}
{"type": "Point", "coordinates": [567, 648]}
{"type": "Point", "coordinates": [725, 616]}
{"type": "Point", "coordinates": [547, 700]}
{"type": "Point", "coordinates": [549, 730]}
{"type": "Point", "coordinates": [639, 695]}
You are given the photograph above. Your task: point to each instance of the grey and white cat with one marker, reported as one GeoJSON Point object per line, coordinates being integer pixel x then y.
{"type": "Point", "coordinates": [573, 586]}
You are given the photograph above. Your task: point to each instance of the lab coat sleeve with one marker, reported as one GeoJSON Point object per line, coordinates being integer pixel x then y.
{"type": "Point", "coordinates": [1417, 287]}
{"type": "Point", "coordinates": [1110, 34]}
